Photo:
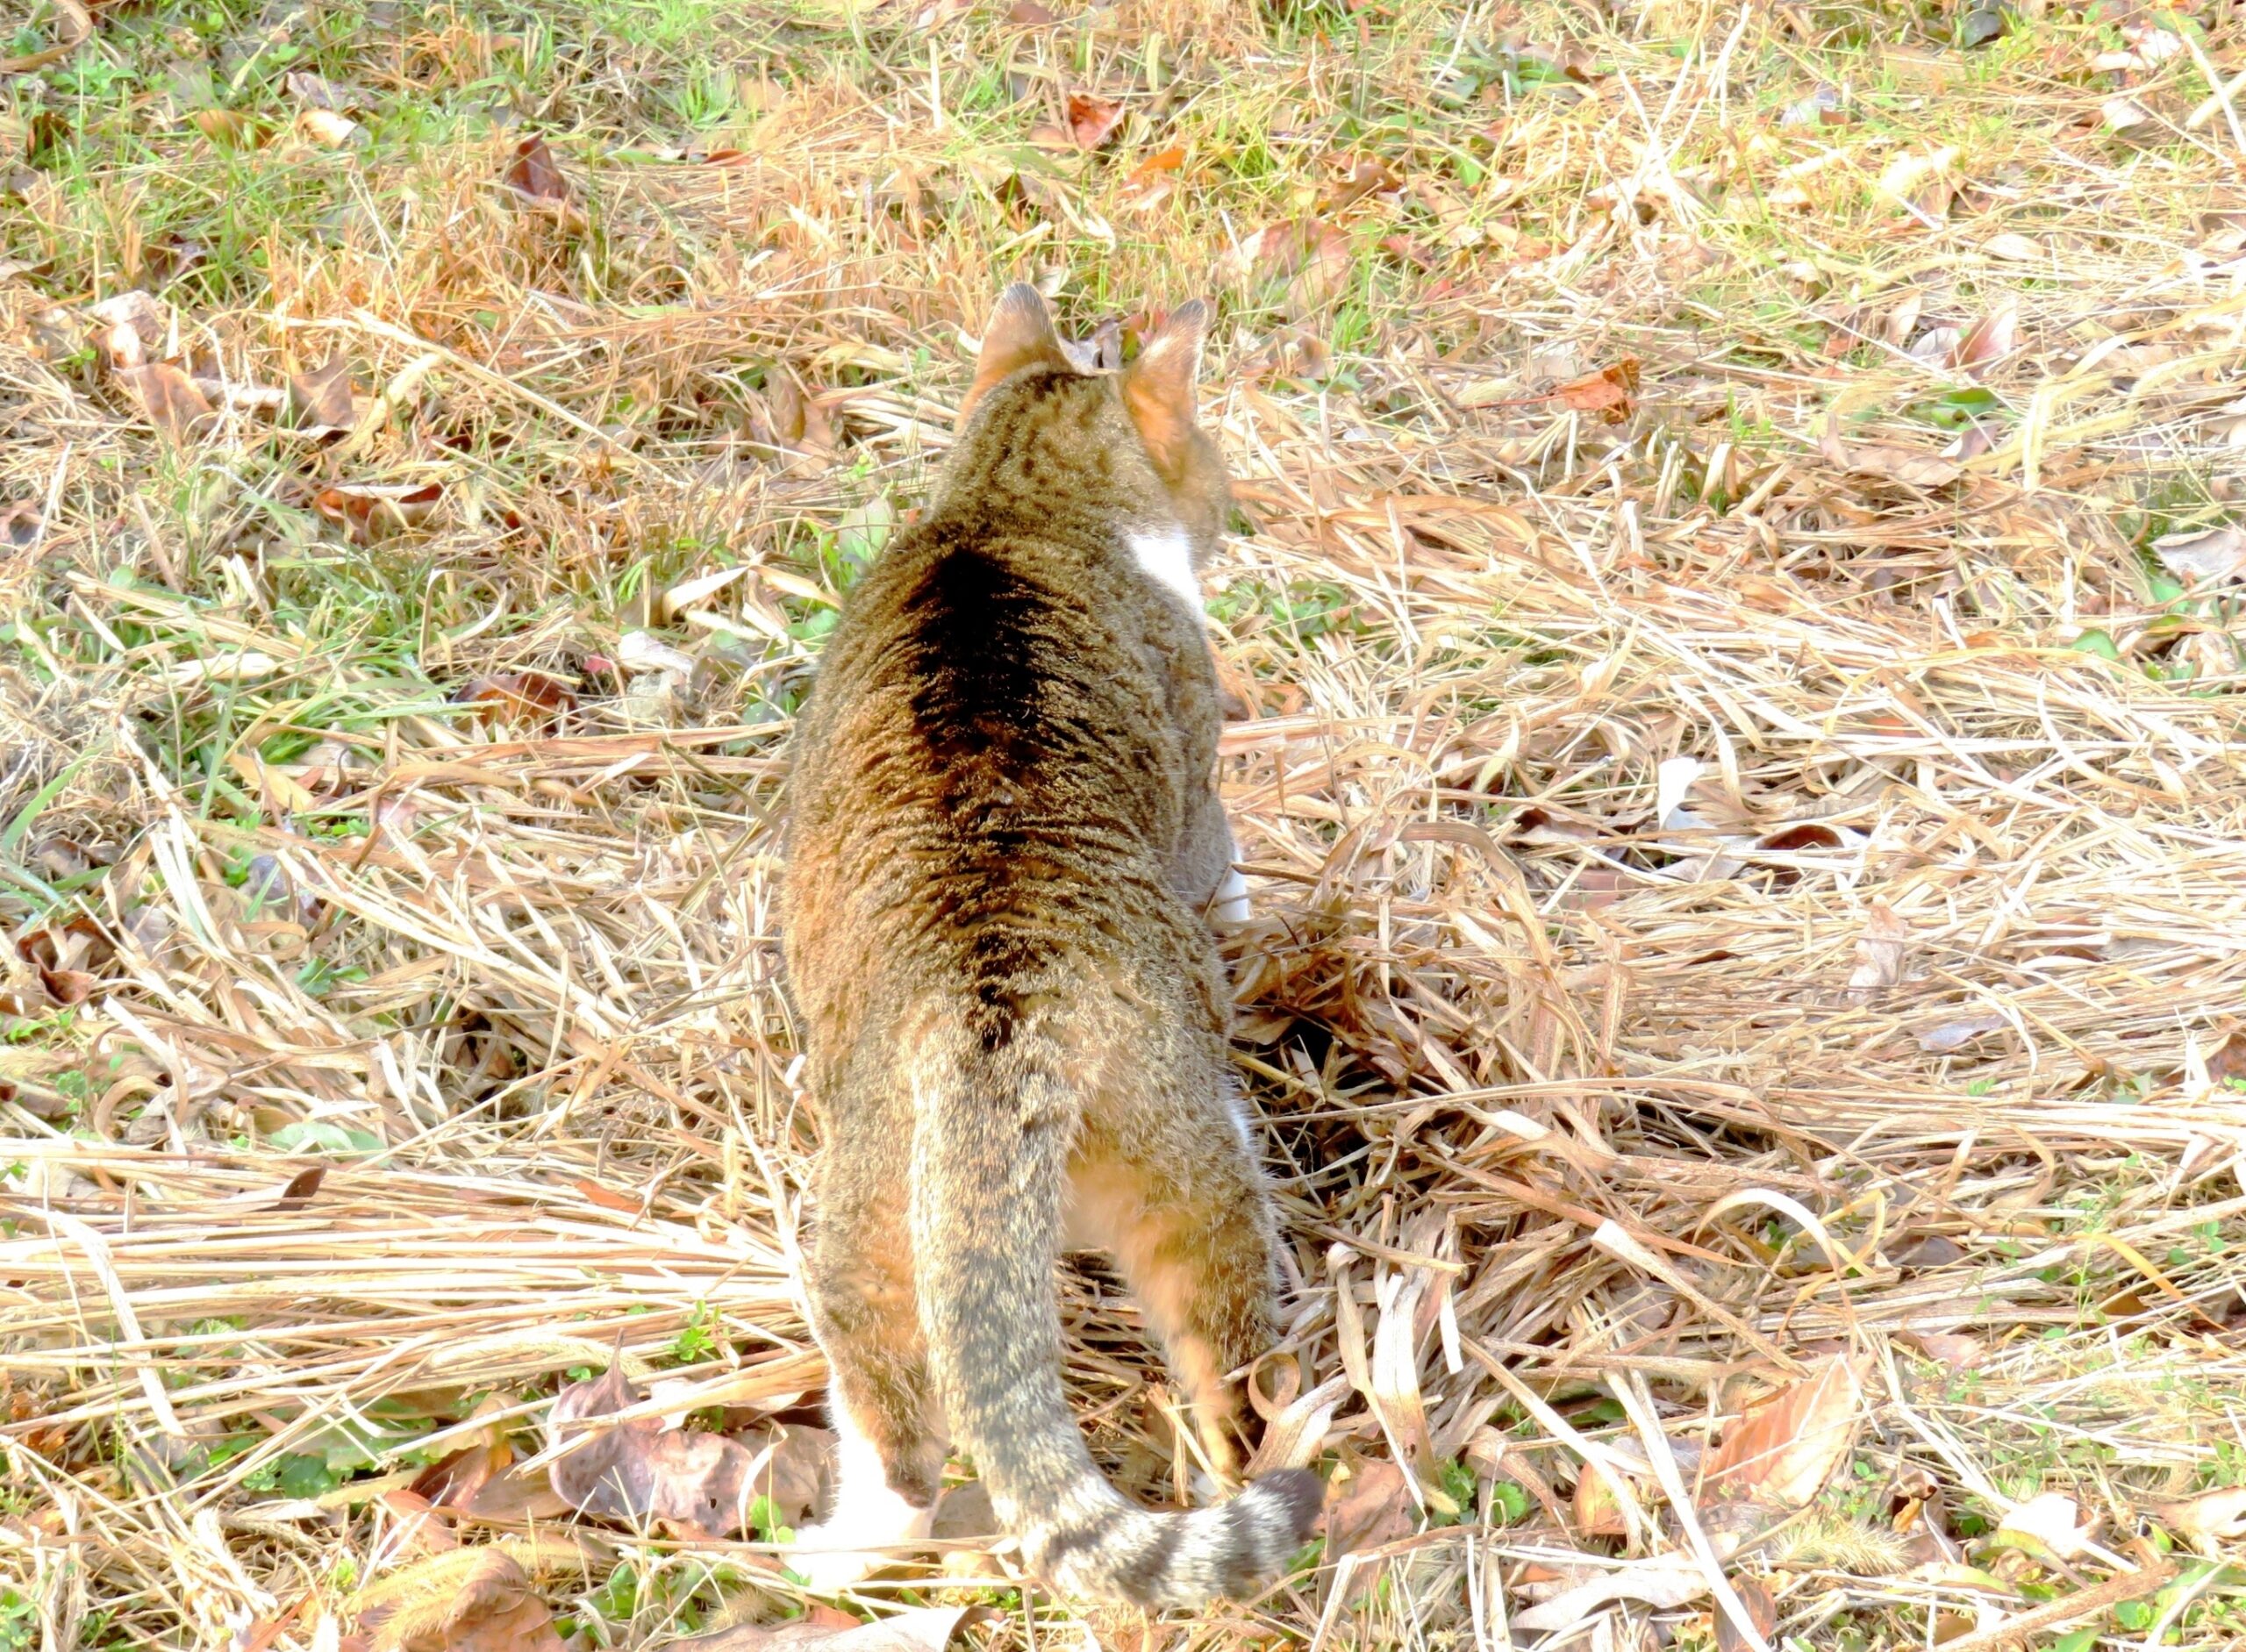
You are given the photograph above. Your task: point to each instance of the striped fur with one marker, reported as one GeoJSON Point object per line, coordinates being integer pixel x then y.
{"type": "Point", "coordinates": [1004, 846]}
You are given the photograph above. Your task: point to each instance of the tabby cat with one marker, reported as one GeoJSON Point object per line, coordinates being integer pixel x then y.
{"type": "Point", "coordinates": [1004, 850]}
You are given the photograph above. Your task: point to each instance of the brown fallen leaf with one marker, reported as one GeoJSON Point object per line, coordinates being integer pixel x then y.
{"type": "Point", "coordinates": [1365, 177]}
{"type": "Point", "coordinates": [921, 1629]}
{"type": "Point", "coordinates": [330, 129]}
{"type": "Point", "coordinates": [1371, 1507]}
{"type": "Point", "coordinates": [789, 417]}
{"type": "Point", "coordinates": [533, 171]}
{"type": "Point", "coordinates": [68, 956]}
{"type": "Point", "coordinates": [534, 177]}
{"type": "Point", "coordinates": [1092, 120]}
{"type": "Point", "coordinates": [314, 91]}
{"type": "Point", "coordinates": [370, 511]}
{"type": "Point", "coordinates": [1913, 467]}
{"type": "Point", "coordinates": [1308, 255]}
{"type": "Point", "coordinates": [2209, 553]}
{"type": "Point", "coordinates": [228, 128]}
{"type": "Point", "coordinates": [20, 524]}
{"type": "Point", "coordinates": [1945, 1036]}
{"type": "Point", "coordinates": [1028, 14]}
{"type": "Point", "coordinates": [321, 398]}
{"type": "Point", "coordinates": [463, 1600]}
{"type": "Point", "coordinates": [1661, 1582]}
{"type": "Point", "coordinates": [454, 1481]}
{"type": "Point", "coordinates": [299, 1193]}
{"type": "Point", "coordinates": [698, 1484]}
{"type": "Point", "coordinates": [134, 326]}
{"type": "Point", "coordinates": [2208, 1521]}
{"type": "Point", "coordinates": [1162, 161]}
{"type": "Point", "coordinates": [1598, 1510]}
{"type": "Point", "coordinates": [531, 699]}
{"type": "Point", "coordinates": [1988, 340]}
{"type": "Point", "coordinates": [1880, 952]}
{"type": "Point", "coordinates": [1607, 392]}
{"type": "Point", "coordinates": [1782, 1455]}
{"type": "Point", "coordinates": [168, 398]}
{"type": "Point", "coordinates": [1946, 1347]}
{"type": "Point", "coordinates": [1761, 1609]}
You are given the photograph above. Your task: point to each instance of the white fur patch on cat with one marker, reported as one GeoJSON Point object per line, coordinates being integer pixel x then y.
{"type": "Point", "coordinates": [868, 1516]}
{"type": "Point", "coordinates": [1167, 560]}
{"type": "Point", "coordinates": [1230, 905]}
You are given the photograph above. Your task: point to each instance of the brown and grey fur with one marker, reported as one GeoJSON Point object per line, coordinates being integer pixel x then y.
{"type": "Point", "coordinates": [1004, 846]}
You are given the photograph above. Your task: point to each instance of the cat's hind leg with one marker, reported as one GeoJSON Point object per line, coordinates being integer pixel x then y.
{"type": "Point", "coordinates": [890, 1451]}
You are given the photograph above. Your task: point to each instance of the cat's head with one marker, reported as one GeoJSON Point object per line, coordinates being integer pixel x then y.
{"type": "Point", "coordinates": [1093, 422]}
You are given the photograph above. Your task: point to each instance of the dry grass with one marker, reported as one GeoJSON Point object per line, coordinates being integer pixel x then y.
{"type": "Point", "coordinates": [1609, 1089]}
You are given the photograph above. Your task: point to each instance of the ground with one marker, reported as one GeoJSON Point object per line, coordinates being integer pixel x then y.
{"type": "Point", "coordinates": [1738, 756]}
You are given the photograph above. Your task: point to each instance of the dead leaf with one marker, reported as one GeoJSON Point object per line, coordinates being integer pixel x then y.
{"type": "Point", "coordinates": [313, 91]}
{"type": "Point", "coordinates": [1879, 951]}
{"type": "Point", "coordinates": [2016, 248]}
{"type": "Point", "coordinates": [528, 697]}
{"type": "Point", "coordinates": [607, 1198]}
{"type": "Point", "coordinates": [1934, 1250]}
{"type": "Point", "coordinates": [454, 1481]}
{"type": "Point", "coordinates": [2122, 114]}
{"type": "Point", "coordinates": [534, 177]}
{"type": "Point", "coordinates": [1946, 1347]}
{"type": "Point", "coordinates": [1913, 467]}
{"type": "Point", "coordinates": [1670, 1580]}
{"type": "Point", "coordinates": [534, 173]}
{"type": "Point", "coordinates": [462, 1600]}
{"type": "Point", "coordinates": [330, 129]}
{"type": "Point", "coordinates": [1607, 392]}
{"type": "Point", "coordinates": [68, 956]}
{"type": "Point", "coordinates": [1309, 255]}
{"type": "Point", "coordinates": [301, 1187]}
{"type": "Point", "coordinates": [135, 326]}
{"type": "Point", "coordinates": [1761, 1609]}
{"type": "Point", "coordinates": [1945, 1036]}
{"type": "Point", "coordinates": [1598, 1510]}
{"type": "Point", "coordinates": [1162, 161]}
{"type": "Point", "coordinates": [2208, 1521]}
{"type": "Point", "coordinates": [921, 1629]}
{"type": "Point", "coordinates": [168, 398]}
{"type": "Point", "coordinates": [699, 1483]}
{"type": "Point", "coordinates": [228, 128]}
{"type": "Point", "coordinates": [1371, 1507]}
{"type": "Point", "coordinates": [1936, 344]}
{"type": "Point", "coordinates": [1092, 120]}
{"type": "Point", "coordinates": [371, 512]}
{"type": "Point", "coordinates": [1028, 14]}
{"type": "Point", "coordinates": [2047, 1522]}
{"type": "Point", "coordinates": [321, 398]}
{"type": "Point", "coordinates": [791, 419]}
{"type": "Point", "coordinates": [1782, 1455]}
{"type": "Point", "coordinates": [2215, 553]}
{"type": "Point", "coordinates": [1904, 174]}
{"type": "Point", "coordinates": [1988, 340]}
{"type": "Point", "coordinates": [1366, 178]}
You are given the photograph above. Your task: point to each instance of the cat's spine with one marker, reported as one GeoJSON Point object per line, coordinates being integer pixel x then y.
{"type": "Point", "coordinates": [994, 1116]}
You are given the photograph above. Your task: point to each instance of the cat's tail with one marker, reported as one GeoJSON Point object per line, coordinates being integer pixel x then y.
{"type": "Point", "coordinates": [991, 1135]}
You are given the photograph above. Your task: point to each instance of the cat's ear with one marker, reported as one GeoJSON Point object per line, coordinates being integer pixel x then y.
{"type": "Point", "coordinates": [1158, 388]}
{"type": "Point", "coordinates": [1019, 334]}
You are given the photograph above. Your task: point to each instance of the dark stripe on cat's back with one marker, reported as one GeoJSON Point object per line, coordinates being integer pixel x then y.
{"type": "Point", "coordinates": [973, 625]}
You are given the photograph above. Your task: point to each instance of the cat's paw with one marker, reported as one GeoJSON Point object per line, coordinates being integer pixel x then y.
{"type": "Point", "coordinates": [836, 1554]}
{"type": "Point", "coordinates": [822, 1558]}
